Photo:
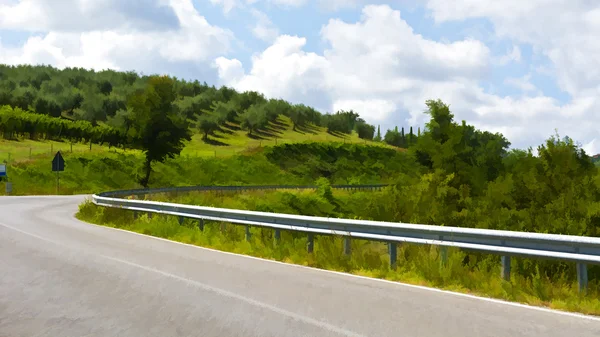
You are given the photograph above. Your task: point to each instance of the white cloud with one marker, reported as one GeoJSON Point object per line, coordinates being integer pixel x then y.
{"type": "Point", "coordinates": [592, 147]}
{"type": "Point", "coordinates": [379, 67]}
{"type": "Point", "coordinates": [379, 110]}
{"type": "Point", "coordinates": [513, 56]}
{"type": "Point", "coordinates": [194, 40]}
{"type": "Point", "coordinates": [229, 70]}
{"type": "Point", "coordinates": [327, 5]}
{"type": "Point", "coordinates": [571, 40]}
{"type": "Point", "coordinates": [86, 15]}
{"type": "Point", "coordinates": [523, 83]}
{"type": "Point", "coordinates": [228, 5]}
{"type": "Point", "coordinates": [264, 28]}
{"type": "Point", "coordinates": [375, 60]}
{"type": "Point", "coordinates": [334, 5]}
{"type": "Point", "coordinates": [282, 70]}
{"type": "Point", "coordinates": [289, 3]}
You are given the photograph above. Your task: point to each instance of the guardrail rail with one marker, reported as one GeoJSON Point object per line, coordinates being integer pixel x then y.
{"type": "Point", "coordinates": [579, 249]}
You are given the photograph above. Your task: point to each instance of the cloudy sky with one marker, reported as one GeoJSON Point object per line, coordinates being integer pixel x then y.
{"type": "Point", "coordinates": [522, 68]}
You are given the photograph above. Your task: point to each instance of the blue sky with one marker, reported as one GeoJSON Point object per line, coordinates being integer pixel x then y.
{"type": "Point", "coordinates": [497, 68]}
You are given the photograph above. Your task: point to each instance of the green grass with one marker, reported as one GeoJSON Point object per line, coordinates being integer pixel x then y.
{"type": "Point", "coordinates": [30, 150]}
{"type": "Point", "coordinates": [418, 265]}
{"type": "Point", "coordinates": [238, 163]}
{"type": "Point", "coordinates": [92, 173]}
{"type": "Point", "coordinates": [232, 140]}
{"type": "Point", "coordinates": [103, 171]}
{"type": "Point", "coordinates": [228, 142]}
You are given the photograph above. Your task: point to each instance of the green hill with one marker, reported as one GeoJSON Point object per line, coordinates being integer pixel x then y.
{"type": "Point", "coordinates": [227, 142]}
{"type": "Point", "coordinates": [96, 107]}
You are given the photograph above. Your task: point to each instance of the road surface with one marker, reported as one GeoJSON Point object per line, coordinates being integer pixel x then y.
{"type": "Point", "coordinates": [62, 277]}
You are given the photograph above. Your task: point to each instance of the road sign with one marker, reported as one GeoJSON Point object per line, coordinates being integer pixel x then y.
{"type": "Point", "coordinates": [2, 170]}
{"type": "Point", "coordinates": [58, 163]}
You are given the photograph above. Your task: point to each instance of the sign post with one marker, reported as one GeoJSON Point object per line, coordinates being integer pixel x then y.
{"type": "Point", "coordinates": [58, 165]}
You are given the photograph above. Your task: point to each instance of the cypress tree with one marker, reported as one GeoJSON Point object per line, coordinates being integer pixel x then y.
{"type": "Point", "coordinates": [403, 139]}
{"type": "Point", "coordinates": [378, 137]}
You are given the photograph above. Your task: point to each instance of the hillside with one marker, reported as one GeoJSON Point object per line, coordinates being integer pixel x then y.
{"type": "Point", "coordinates": [114, 169]}
{"type": "Point", "coordinates": [226, 142]}
{"type": "Point", "coordinates": [107, 97]}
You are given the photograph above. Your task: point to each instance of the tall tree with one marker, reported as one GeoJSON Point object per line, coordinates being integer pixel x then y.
{"type": "Point", "coordinates": [378, 137]}
{"type": "Point", "coordinates": [159, 131]}
{"type": "Point", "coordinates": [403, 139]}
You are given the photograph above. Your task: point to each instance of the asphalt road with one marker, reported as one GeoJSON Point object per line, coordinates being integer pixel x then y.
{"type": "Point", "coordinates": [62, 277]}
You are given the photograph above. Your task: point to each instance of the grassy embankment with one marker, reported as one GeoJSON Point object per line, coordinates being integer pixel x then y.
{"type": "Point", "coordinates": [105, 169]}
{"type": "Point", "coordinates": [465, 272]}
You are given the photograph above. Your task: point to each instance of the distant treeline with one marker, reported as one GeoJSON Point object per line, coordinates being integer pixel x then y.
{"type": "Point", "coordinates": [102, 98]}
{"type": "Point", "coordinates": [16, 123]}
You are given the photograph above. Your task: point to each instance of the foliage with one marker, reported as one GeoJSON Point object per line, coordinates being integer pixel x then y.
{"type": "Point", "coordinates": [454, 175]}
{"type": "Point", "coordinates": [341, 121]}
{"type": "Point", "coordinates": [364, 130]}
{"type": "Point", "coordinates": [254, 118]}
{"type": "Point", "coordinates": [596, 159]}
{"type": "Point", "coordinates": [465, 271]}
{"type": "Point", "coordinates": [207, 124]}
{"type": "Point", "coordinates": [103, 96]}
{"type": "Point", "coordinates": [378, 136]}
{"type": "Point", "coordinates": [16, 122]}
{"type": "Point", "coordinates": [93, 172]}
{"type": "Point", "coordinates": [340, 163]}
{"type": "Point", "coordinates": [158, 130]}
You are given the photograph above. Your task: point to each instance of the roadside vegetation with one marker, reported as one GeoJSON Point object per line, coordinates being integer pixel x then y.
{"type": "Point", "coordinates": [160, 131]}
{"type": "Point", "coordinates": [455, 175]}
{"type": "Point", "coordinates": [464, 271]}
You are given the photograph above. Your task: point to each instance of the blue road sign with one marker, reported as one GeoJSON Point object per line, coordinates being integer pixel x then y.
{"type": "Point", "coordinates": [2, 170]}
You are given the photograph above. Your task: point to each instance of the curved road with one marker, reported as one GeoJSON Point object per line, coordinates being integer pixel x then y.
{"type": "Point", "coordinates": [62, 277]}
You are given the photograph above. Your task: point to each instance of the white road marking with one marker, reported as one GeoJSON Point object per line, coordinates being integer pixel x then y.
{"type": "Point", "coordinates": [222, 292]}
{"type": "Point", "coordinates": [448, 292]}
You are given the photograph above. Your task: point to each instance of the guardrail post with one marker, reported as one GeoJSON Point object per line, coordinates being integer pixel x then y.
{"type": "Point", "coordinates": [347, 246]}
{"type": "Point", "coordinates": [248, 234]}
{"type": "Point", "coordinates": [180, 220]}
{"type": "Point", "coordinates": [582, 276]}
{"type": "Point", "coordinates": [443, 253]}
{"type": "Point", "coordinates": [505, 273]}
{"type": "Point", "coordinates": [201, 224]}
{"type": "Point", "coordinates": [222, 227]}
{"type": "Point", "coordinates": [277, 236]}
{"type": "Point", "coordinates": [310, 246]}
{"type": "Point", "coordinates": [393, 251]}
{"type": "Point", "coordinates": [444, 256]}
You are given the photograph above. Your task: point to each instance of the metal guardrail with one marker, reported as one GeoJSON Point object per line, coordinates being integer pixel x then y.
{"type": "Point", "coordinates": [579, 249]}
{"type": "Point", "coordinates": [201, 188]}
